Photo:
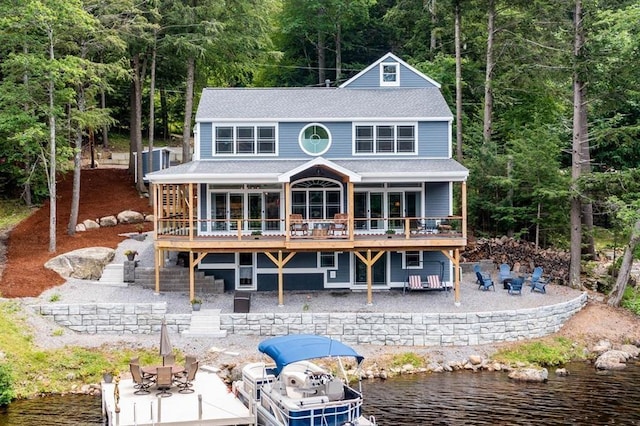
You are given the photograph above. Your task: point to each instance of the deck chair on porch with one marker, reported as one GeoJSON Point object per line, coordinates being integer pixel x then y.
{"type": "Point", "coordinates": [297, 225]}
{"type": "Point", "coordinates": [339, 226]}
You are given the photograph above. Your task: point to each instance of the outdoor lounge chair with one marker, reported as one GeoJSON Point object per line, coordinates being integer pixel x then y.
{"type": "Point", "coordinates": [537, 283]}
{"type": "Point", "coordinates": [477, 270]}
{"type": "Point", "coordinates": [505, 272]}
{"type": "Point", "coordinates": [515, 285]}
{"type": "Point", "coordinates": [485, 282]}
{"type": "Point", "coordinates": [142, 384]}
{"type": "Point", "coordinates": [164, 380]}
{"type": "Point", "coordinates": [340, 223]}
{"type": "Point", "coordinates": [184, 382]}
{"type": "Point", "coordinates": [297, 225]}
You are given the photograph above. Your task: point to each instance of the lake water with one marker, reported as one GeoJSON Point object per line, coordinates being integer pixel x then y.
{"type": "Point", "coordinates": [585, 397]}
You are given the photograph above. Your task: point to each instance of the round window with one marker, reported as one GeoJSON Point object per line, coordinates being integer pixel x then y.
{"type": "Point", "coordinates": [315, 139]}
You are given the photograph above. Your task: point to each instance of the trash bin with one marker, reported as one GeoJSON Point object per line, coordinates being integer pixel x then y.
{"type": "Point", "coordinates": [241, 302]}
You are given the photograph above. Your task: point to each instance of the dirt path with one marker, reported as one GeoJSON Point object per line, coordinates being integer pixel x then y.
{"type": "Point", "coordinates": [110, 191]}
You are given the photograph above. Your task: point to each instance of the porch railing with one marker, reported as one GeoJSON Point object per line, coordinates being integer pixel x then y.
{"type": "Point", "coordinates": [407, 227]}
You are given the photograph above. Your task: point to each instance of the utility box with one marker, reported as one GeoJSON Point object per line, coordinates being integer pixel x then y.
{"type": "Point", "coordinates": [241, 302]}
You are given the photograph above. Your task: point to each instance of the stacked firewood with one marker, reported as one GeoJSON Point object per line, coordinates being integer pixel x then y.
{"type": "Point", "coordinates": [510, 251]}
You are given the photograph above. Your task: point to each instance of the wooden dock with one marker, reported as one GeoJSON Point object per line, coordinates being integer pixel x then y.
{"type": "Point", "coordinates": [212, 403]}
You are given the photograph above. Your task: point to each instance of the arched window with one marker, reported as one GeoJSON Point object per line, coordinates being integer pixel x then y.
{"type": "Point", "coordinates": [315, 198]}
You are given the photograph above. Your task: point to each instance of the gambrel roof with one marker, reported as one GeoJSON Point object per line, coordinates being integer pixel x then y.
{"type": "Point", "coordinates": [322, 104]}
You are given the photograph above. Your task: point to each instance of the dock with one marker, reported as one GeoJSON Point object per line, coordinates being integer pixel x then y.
{"type": "Point", "coordinates": [211, 403]}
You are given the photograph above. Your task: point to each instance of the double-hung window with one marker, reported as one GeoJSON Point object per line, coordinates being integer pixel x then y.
{"type": "Point", "coordinates": [389, 74]}
{"type": "Point", "coordinates": [245, 140]}
{"type": "Point", "coordinates": [385, 139]}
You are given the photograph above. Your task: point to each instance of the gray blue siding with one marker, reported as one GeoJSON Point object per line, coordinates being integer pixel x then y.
{"type": "Point", "coordinates": [206, 140]}
{"type": "Point", "coordinates": [437, 199]}
{"type": "Point", "coordinates": [433, 139]}
{"type": "Point", "coordinates": [371, 79]}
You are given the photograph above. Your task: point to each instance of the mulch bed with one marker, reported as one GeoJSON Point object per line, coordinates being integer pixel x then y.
{"type": "Point", "coordinates": [103, 192]}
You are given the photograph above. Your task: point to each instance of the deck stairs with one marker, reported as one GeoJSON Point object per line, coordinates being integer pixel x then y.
{"type": "Point", "coordinates": [177, 279]}
{"type": "Point", "coordinates": [205, 323]}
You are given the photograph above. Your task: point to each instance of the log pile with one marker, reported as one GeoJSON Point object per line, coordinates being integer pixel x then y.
{"type": "Point", "coordinates": [507, 250]}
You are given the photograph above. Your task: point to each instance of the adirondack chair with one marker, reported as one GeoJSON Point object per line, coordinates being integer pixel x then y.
{"type": "Point", "coordinates": [477, 270]}
{"type": "Point", "coordinates": [485, 283]}
{"type": "Point", "coordinates": [515, 286]}
{"type": "Point", "coordinates": [536, 282]}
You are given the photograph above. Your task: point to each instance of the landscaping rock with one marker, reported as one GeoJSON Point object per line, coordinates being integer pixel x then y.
{"type": "Point", "coordinates": [530, 374]}
{"type": "Point", "coordinates": [108, 221]}
{"type": "Point", "coordinates": [612, 360]}
{"type": "Point", "coordinates": [129, 216]}
{"type": "Point", "coordinates": [90, 224]}
{"type": "Point", "coordinates": [86, 264]}
{"type": "Point", "coordinates": [632, 350]}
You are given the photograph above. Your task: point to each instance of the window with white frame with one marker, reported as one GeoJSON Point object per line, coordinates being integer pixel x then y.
{"type": "Point", "coordinates": [328, 259]}
{"type": "Point", "coordinates": [412, 260]}
{"type": "Point", "coordinates": [389, 74]}
{"type": "Point", "coordinates": [385, 139]}
{"type": "Point", "coordinates": [244, 140]}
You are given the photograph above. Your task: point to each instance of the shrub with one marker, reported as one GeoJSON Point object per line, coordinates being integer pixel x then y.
{"type": "Point", "coordinates": [7, 393]}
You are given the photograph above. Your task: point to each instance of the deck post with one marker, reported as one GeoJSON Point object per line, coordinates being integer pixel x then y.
{"type": "Point", "coordinates": [199, 406]}
{"type": "Point", "coordinates": [192, 277]}
{"type": "Point", "coordinates": [456, 274]}
{"type": "Point", "coordinates": [464, 209]}
{"type": "Point", "coordinates": [159, 409]}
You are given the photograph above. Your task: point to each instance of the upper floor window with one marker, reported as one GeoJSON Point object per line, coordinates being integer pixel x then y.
{"type": "Point", "coordinates": [389, 74]}
{"type": "Point", "coordinates": [315, 139]}
{"type": "Point", "coordinates": [385, 139]}
{"type": "Point", "coordinates": [245, 140]}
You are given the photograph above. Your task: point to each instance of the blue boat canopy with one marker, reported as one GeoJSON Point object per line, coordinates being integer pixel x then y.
{"type": "Point", "coordinates": [285, 350]}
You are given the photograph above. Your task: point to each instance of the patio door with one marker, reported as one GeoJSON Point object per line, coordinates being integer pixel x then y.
{"type": "Point", "coordinates": [378, 271]}
{"type": "Point", "coordinates": [368, 209]}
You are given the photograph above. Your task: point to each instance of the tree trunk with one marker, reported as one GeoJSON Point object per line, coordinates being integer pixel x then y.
{"type": "Point", "coordinates": [26, 191]}
{"type": "Point", "coordinates": [338, 54]}
{"type": "Point", "coordinates": [488, 79]}
{"type": "Point", "coordinates": [164, 115]}
{"type": "Point", "coordinates": [589, 246]}
{"type": "Point", "coordinates": [188, 110]}
{"type": "Point", "coordinates": [458, 82]}
{"type": "Point", "coordinates": [321, 58]}
{"type": "Point", "coordinates": [137, 90]}
{"type": "Point", "coordinates": [625, 267]}
{"type": "Point", "coordinates": [77, 167]}
{"type": "Point", "coordinates": [152, 116]}
{"type": "Point", "coordinates": [52, 152]}
{"type": "Point", "coordinates": [431, 4]}
{"type": "Point", "coordinates": [576, 158]}
{"type": "Point", "coordinates": [105, 128]}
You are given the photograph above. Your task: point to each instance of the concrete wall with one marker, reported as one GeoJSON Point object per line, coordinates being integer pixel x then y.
{"type": "Point", "coordinates": [402, 329]}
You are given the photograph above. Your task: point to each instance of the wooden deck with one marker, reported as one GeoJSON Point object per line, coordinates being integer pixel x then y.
{"type": "Point", "coordinates": [211, 404]}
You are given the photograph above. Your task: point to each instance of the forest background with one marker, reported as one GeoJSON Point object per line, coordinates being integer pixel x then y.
{"type": "Point", "coordinates": [544, 93]}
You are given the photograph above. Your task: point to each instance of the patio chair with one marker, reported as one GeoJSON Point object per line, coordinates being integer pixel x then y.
{"type": "Point", "coordinates": [164, 380]}
{"type": "Point", "coordinates": [485, 282]}
{"type": "Point", "coordinates": [136, 360]}
{"type": "Point", "coordinates": [339, 225]}
{"type": "Point", "coordinates": [477, 270]}
{"type": "Point", "coordinates": [505, 272]}
{"type": "Point", "coordinates": [515, 286]}
{"type": "Point", "coordinates": [141, 384]}
{"type": "Point", "coordinates": [184, 383]}
{"type": "Point", "coordinates": [536, 281]}
{"type": "Point", "coordinates": [297, 225]}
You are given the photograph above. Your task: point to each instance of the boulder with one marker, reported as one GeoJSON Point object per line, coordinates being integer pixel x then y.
{"type": "Point", "coordinates": [108, 221]}
{"type": "Point", "coordinates": [129, 216]}
{"type": "Point", "coordinates": [475, 359]}
{"type": "Point", "coordinates": [612, 360]}
{"type": "Point", "coordinates": [530, 374]}
{"type": "Point", "coordinates": [80, 227]}
{"type": "Point", "coordinates": [90, 224]}
{"type": "Point", "coordinates": [601, 346]}
{"type": "Point", "coordinates": [86, 263]}
{"type": "Point", "coordinates": [632, 350]}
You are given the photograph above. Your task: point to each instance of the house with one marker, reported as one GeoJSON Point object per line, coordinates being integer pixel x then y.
{"type": "Point", "coordinates": [348, 187]}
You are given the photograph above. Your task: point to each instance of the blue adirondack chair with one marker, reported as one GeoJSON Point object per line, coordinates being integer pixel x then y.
{"type": "Point", "coordinates": [478, 270]}
{"type": "Point", "coordinates": [515, 286]}
{"type": "Point", "coordinates": [484, 282]}
{"type": "Point", "coordinates": [505, 272]}
{"type": "Point", "coordinates": [537, 283]}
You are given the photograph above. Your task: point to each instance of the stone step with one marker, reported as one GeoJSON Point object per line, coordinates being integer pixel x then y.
{"type": "Point", "coordinates": [205, 323]}
{"type": "Point", "coordinates": [112, 274]}
{"type": "Point", "coordinates": [177, 279]}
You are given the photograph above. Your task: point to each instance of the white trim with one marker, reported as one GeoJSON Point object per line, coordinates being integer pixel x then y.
{"type": "Point", "coordinates": [319, 161]}
{"type": "Point", "coordinates": [300, 139]}
{"type": "Point", "coordinates": [394, 83]}
{"type": "Point", "coordinates": [394, 58]}
{"type": "Point", "coordinates": [196, 141]}
{"type": "Point", "coordinates": [395, 125]}
{"type": "Point", "coordinates": [420, 257]}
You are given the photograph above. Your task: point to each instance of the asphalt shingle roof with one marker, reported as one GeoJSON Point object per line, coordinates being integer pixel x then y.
{"type": "Point", "coordinates": [318, 104]}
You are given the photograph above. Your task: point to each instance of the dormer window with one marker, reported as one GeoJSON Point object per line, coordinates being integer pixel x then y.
{"type": "Point", "coordinates": [389, 74]}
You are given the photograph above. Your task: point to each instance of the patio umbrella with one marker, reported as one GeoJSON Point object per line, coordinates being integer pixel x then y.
{"type": "Point", "coordinates": [165, 344]}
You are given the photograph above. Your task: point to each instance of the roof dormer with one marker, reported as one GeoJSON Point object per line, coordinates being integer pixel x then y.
{"type": "Point", "coordinates": [389, 74]}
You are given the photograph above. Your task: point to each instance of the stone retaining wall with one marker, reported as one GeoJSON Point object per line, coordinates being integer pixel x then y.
{"type": "Point", "coordinates": [401, 329]}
